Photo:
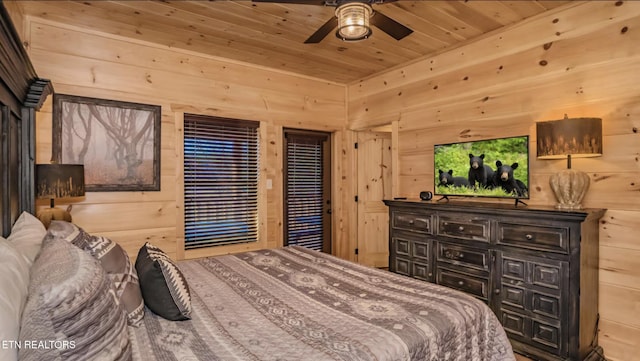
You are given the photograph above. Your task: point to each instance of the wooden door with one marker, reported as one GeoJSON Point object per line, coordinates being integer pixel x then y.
{"type": "Point", "coordinates": [374, 185]}
{"type": "Point", "coordinates": [307, 189]}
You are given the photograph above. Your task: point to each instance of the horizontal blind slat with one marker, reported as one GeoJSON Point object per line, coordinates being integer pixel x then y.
{"type": "Point", "coordinates": [220, 181]}
{"type": "Point", "coordinates": [305, 192]}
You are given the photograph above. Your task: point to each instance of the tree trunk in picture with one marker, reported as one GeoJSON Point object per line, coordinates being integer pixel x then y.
{"type": "Point", "coordinates": [129, 130]}
{"type": "Point", "coordinates": [77, 125]}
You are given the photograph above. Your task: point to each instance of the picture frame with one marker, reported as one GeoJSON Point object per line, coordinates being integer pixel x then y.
{"type": "Point", "coordinates": [118, 142]}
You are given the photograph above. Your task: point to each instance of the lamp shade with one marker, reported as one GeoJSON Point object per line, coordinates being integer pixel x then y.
{"type": "Point", "coordinates": [353, 21]}
{"type": "Point", "coordinates": [567, 138]}
{"type": "Point", "coordinates": [577, 137]}
{"type": "Point", "coordinates": [59, 180]}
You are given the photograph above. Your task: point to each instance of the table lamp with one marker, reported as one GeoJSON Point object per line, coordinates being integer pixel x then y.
{"type": "Point", "coordinates": [569, 138]}
{"type": "Point", "coordinates": [55, 181]}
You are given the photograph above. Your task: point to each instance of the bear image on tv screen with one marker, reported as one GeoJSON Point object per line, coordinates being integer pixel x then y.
{"type": "Point", "coordinates": [479, 172]}
{"type": "Point", "coordinates": [504, 178]}
{"type": "Point", "coordinates": [447, 179]}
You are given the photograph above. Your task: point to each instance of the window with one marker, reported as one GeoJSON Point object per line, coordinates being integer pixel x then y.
{"type": "Point", "coordinates": [220, 181]}
{"type": "Point", "coordinates": [307, 190]}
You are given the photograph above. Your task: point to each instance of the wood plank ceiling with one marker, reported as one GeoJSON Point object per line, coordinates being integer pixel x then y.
{"type": "Point", "coordinates": [272, 35]}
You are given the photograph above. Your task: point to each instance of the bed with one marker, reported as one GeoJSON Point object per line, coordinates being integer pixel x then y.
{"type": "Point", "coordinates": [297, 304]}
{"type": "Point", "coordinates": [289, 303]}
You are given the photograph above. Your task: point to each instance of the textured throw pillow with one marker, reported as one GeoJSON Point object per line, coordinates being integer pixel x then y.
{"type": "Point", "coordinates": [14, 283]}
{"type": "Point", "coordinates": [164, 288]}
{"type": "Point", "coordinates": [26, 235]}
{"type": "Point", "coordinates": [114, 260]}
{"type": "Point", "coordinates": [72, 312]}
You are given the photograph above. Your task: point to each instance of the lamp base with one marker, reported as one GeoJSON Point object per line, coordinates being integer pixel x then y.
{"type": "Point", "coordinates": [569, 187]}
{"type": "Point", "coordinates": [46, 215]}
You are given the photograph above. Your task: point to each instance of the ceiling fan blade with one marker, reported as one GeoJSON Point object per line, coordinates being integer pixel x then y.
{"type": "Point", "coordinates": [323, 31]}
{"type": "Point", "coordinates": [390, 26]}
{"type": "Point", "coordinates": [305, 2]}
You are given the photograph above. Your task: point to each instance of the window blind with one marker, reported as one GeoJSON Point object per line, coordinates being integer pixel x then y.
{"type": "Point", "coordinates": [220, 181]}
{"type": "Point", "coordinates": [304, 191]}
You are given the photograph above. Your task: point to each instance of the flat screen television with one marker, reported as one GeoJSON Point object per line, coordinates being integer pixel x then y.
{"type": "Point", "coordinates": [483, 168]}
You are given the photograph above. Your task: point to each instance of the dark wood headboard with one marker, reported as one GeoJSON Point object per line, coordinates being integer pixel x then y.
{"type": "Point", "coordinates": [21, 95]}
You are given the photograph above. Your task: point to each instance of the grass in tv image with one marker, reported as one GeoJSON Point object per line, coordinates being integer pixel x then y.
{"type": "Point", "coordinates": [491, 168]}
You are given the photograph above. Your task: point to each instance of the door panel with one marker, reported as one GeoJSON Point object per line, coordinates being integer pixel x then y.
{"type": "Point", "coordinates": [307, 189]}
{"type": "Point", "coordinates": [374, 185]}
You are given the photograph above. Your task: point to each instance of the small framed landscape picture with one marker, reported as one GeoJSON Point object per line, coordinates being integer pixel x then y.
{"type": "Point", "coordinates": [118, 142]}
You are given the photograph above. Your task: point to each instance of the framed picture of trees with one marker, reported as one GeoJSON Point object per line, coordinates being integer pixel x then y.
{"type": "Point", "coordinates": [118, 142]}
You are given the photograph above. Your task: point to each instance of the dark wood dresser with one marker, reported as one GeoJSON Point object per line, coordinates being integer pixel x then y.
{"type": "Point", "coordinates": [536, 267]}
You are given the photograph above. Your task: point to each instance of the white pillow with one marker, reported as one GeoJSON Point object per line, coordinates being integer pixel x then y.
{"type": "Point", "coordinates": [26, 236]}
{"type": "Point", "coordinates": [14, 284]}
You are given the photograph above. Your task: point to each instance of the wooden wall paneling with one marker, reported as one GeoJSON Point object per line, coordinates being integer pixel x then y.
{"type": "Point", "coordinates": [496, 100]}
{"type": "Point", "coordinates": [344, 207]}
{"type": "Point", "coordinates": [179, 184]}
{"type": "Point", "coordinates": [108, 217]}
{"type": "Point", "coordinates": [114, 67]}
{"type": "Point", "coordinates": [618, 303]}
{"type": "Point", "coordinates": [573, 20]}
{"type": "Point", "coordinates": [620, 228]}
{"type": "Point", "coordinates": [71, 40]}
{"type": "Point", "coordinates": [152, 73]}
{"type": "Point", "coordinates": [588, 69]}
{"type": "Point", "coordinates": [437, 83]}
{"type": "Point", "coordinates": [263, 163]}
{"type": "Point", "coordinates": [395, 159]}
{"type": "Point", "coordinates": [274, 171]}
{"type": "Point", "coordinates": [619, 266]}
{"type": "Point", "coordinates": [235, 98]}
{"type": "Point", "coordinates": [132, 240]}
{"type": "Point", "coordinates": [619, 340]}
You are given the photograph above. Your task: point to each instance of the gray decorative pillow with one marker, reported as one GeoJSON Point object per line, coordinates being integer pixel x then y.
{"type": "Point", "coordinates": [164, 288]}
{"type": "Point", "coordinates": [72, 312]}
{"type": "Point", "coordinates": [114, 260]}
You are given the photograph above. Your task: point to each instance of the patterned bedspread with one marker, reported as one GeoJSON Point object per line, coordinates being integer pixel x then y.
{"type": "Point", "coordinates": [297, 304]}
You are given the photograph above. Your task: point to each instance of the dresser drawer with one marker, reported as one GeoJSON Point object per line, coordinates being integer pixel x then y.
{"type": "Point", "coordinates": [475, 258]}
{"type": "Point", "coordinates": [546, 305]}
{"type": "Point", "coordinates": [554, 239]}
{"type": "Point", "coordinates": [473, 285]}
{"type": "Point", "coordinates": [547, 275]}
{"type": "Point", "coordinates": [410, 268]}
{"type": "Point", "coordinates": [464, 227]}
{"type": "Point", "coordinates": [401, 266]}
{"type": "Point", "coordinates": [421, 250]}
{"type": "Point", "coordinates": [411, 221]}
{"type": "Point", "coordinates": [546, 335]}
{"type": "Point", "coordinates": [422, 271]}
{"type": "Point", "coordinates": [411, 246]}
{"type": "Point", "coordinates": [400, 246]}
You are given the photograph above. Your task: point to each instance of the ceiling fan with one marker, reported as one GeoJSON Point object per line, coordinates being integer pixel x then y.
{"type": "Point", "coordinates": [353, 19]}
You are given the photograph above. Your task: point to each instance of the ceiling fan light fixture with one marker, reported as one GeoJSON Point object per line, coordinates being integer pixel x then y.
{"type": "Point", "coordinates": [353, 21]}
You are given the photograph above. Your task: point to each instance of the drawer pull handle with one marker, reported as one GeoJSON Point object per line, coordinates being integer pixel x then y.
{"type": "Point", "coordinates": [411, 222]}
{"type": "Point", "coordinates": [528, 237]}
{"type": "Point", "coordinates": [430, 274]}
{"type": "Point", "coordinates": [460, 283]}
{"type": "Point", "coordinates": [460, 228]}
{"type": "Point", "coordinates": [497, 291]}
{"type": "Point", "coordinates": [460, 255]}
